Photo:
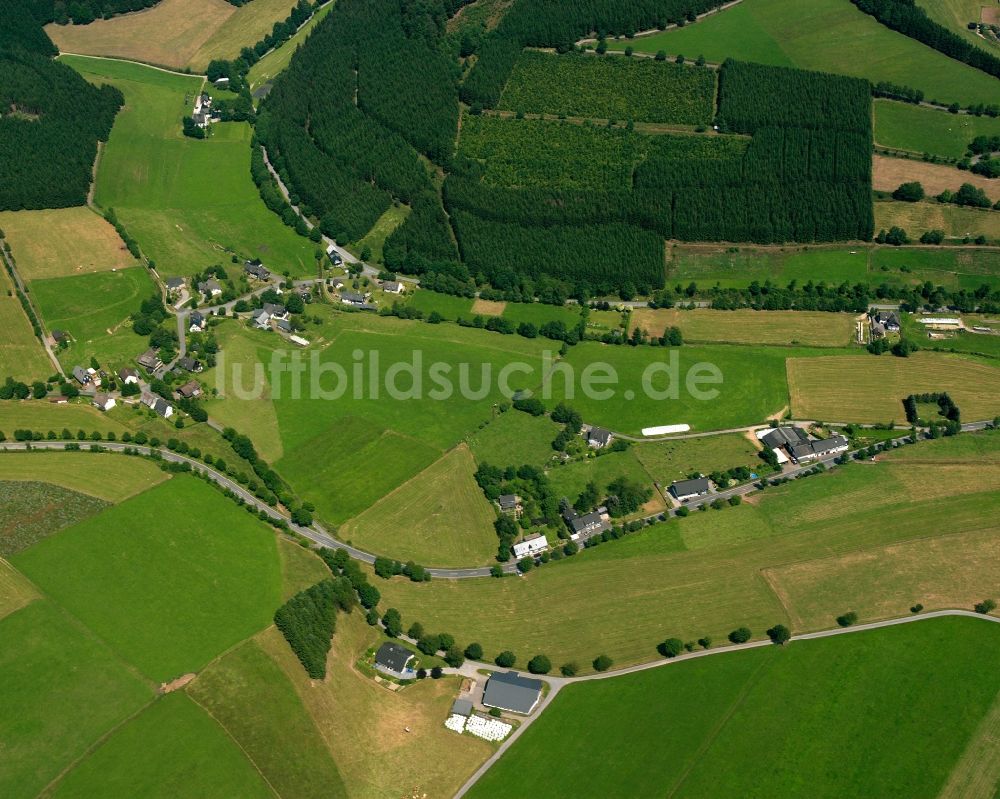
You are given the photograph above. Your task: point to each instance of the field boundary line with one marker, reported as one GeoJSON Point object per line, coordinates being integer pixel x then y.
{"type": "Point", "coordinates": [232, 738]}
{"type": "Point", "coordinates": [717, 728]}
{"type": "Point", "coordinates": [134, 61]}
{"type": "Point", "coordinates": [972, 776]}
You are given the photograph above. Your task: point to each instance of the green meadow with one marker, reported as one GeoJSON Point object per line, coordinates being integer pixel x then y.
{"type": "Point", "coordinates": [514, 438]}
{"type": "Point", "coordinates": [884, 713]}
{"type": "Point", "coordinates": [95, 310]}
{"type": "Point", "coordinates": [169, 578]}
{"type": "Point", "coordinates": [800, 554]}
{"type": "Point", "coordinates": [823, 35]}
{"type": "Point", "coordinates": [744, 385]}
{"type": "Point", "coordinates": [274, 62]}
{"type": "Point", "coordinates": [449, 306]}
{"type": "Point", "coordinates": [929, 130]}
{"type": "Point", "coordinates": [188, 203]}
{"type": "Point", "coordinates": [61, 688]}
{"type": "Point", "coordinates": [171, 749]}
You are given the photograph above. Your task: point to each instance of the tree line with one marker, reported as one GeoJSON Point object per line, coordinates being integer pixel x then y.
{"type": "Point", "coordinates": [911, 20]}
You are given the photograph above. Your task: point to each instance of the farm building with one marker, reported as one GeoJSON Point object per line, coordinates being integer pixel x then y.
{"type": "Point", "coordinates": [598, 437]}
{"type": "Point", "coordinates": [810, 450]}
{"type": "Point", "coordinates": [462, 707]}
{"type": "Point", "coordinates": [531, 546]}
{"type": "Point", "coordinates": [940, 322]}
{"type": "Point", "coordinates": [781, 437]}
{"type": "Point", "coordinates": [683, 490]}
{"type": "Point", "coordinates": [510, 691]}
{"type": "Point", "coordinates": [394, 660]}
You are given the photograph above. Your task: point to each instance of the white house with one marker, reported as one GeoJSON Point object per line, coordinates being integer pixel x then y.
{"type": "Point", "coordinates": [531, 546]}
{"type": "Point", "coordinates": [128, 375]}
{"type": "Point", "coordinates": [104, 402]}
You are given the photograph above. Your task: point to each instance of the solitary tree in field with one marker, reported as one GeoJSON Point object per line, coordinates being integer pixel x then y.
{"type": "Point", "coordinates": [847, 619]}
{"type": "Point", "coordinates": [671, 648]}
{"type": "Point", "coordinates": [602, 663]}
{"type": "Point", "coordinates": [986, 606]}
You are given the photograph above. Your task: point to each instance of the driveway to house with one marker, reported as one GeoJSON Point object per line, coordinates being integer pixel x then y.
{"type": "Point", "coordinates": [472, 670]}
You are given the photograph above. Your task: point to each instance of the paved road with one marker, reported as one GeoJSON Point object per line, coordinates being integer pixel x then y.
{"type": "Point", "coordinates": [471, 669]}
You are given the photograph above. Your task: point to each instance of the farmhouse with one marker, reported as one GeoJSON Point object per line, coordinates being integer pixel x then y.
{"type": "Point", "coordinates": [150, 360]}
{"type": "Point", "coordinates": [394, 660]}
{"type": "Point", "coordinates": [883, 322]}
{"type": "Point", "coordinates": [510, 503]}
{"type": "Point", "coordinates": [104, 402]}
{"type": "Point", "coordinates": [587, 525]}
{"type": "Point", "coordinates": [392, 287]}
{"type": "Point", "coordinates": [810, 450]}
{"type": "Point", "coordinates": [531, 546]}
{"type": "Point", "coordinates": [510, 691]}
{"type": "Point", "coordinates": [190, 389]}
{"type": "Point", "coordinates": [683, 490]}
{"type": "Point", "coordinates": [197, 322]}
{"type": "Point", "coordinates": [255, 269]}
{"type": "Point", "coordinates": [210, 288]}
{"type": "Point", "coordinates": [80, 375]}
{"type": "Point", "coordinates": [128, 375]}
{"type": "Point", "coordinates": [190, 364]}
{"type": "Point", "coordinates": [781, 437]}
{"type": "Point", "coordinates": [598, 437]}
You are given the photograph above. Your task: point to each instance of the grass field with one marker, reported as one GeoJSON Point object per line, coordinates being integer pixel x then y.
{"type": "Point", "coordinates": [956, 222]}
{"type": "Point", "coordinates": [62, 242]}
{"type": "Point", "coordinates": [514, 438]}
{"type": "Point", "coordinates": [824, 35]}
{"type": "Point", "coordinates": [438, 518]}
{"type": "Point", "coordinates": [61, 689]}
{"type": "Point", "coordinates": [928, 130]}
{"type": "Point", "coordinates": [538, 313]}
{"type": "Point", "coordinates": [888, 173]}
{"type": "Point", "coordinates": [171, 749]}
{"type": "Point", "coordinates": [31, 511]}
{"type": "Point", "coordinates": [737, 266]}
{"type": "Point", "coordinates": [866, 388]}
{"type": "Point", "coordinates": [21, 354]}
{"type": "Point", "coordinates": [384, 744]}
{"type": "Point", "coordinates": [609, 88]}
{"type": "Point", "coordinates": [274, 62]}
{"type": "Point", "coordinates": [961, 341]}
{"type": "Point", "coordinates": [247, 26]}
{"type": "Point", "coordinates": [375, 238]}
{"type": "Point", "coordinates": [813, 328]}
{"type": "Point", "coordinates": [247, 693]}
{"type": "Point", "coordinates": [753, 386]}
{"type": "Point", "coordinates": [188, 203]}
{"type": "Point", "coordinates": [668, 461]}
{"type": "Point", "coordinates": [300, 568]}
{"type": "Point", "coordinates": [955, 267]}
{"type": "Point", "coordinates": [43, 416]}
{"type": "Point", "coordinates": [449, 306]}
{"type": "Point", "coordinates": [95, 310]}
{"type": "Point", "coordinates": [709, 724]}
{"type": "Point", "coordinates": [112, 478]}
{"type": "Point", "coordinates": [168, 34]}
{"type": "Point", "coordinates": [15, 590]}
{"type": "Point", "coordinates": [569, 479]}
{"type": "Point", "coordinates": [704, 575]}
{"type": "Point", "coordinates": [169, 579]}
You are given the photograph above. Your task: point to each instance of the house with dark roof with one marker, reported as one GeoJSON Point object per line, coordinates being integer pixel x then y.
{"type": "Point", "coordinates": [255, 269]}
{"type": "Point", "coordinates": [59, 336]}
{"type": "Point", "coordinates": [261, 320]}
{"type": "Point", "coordinates": [334, 256]}
{"type": "Point", "coordinates": [888, 321]}
{"type": "Point", "coordinates": [588, 524]}
{"type": "Point", "coordinates": [683, 490]}
{"type": "Point", "coordinates": [157, 404]}
{"type": "Point", "coordinates": [174, 284]}
{"type": "Point", "coordinates": [462, 707]}
{"type": "Point", "coordinates": [80, 375]}
{"type": "Point", "coordinates": [128, 375]}
{"type": "Point", "coordinates": [104, 402]}
{"type": "Point", "coordinates": [509, 691]}
{"type": "Point", "coordinates": [353, 298]}
{"type": "Point", "coordinates": [781, 437]}
{"type": "Point", "coordinates": [197, 322]}
{"type": "Point", "coordinates": [275, 311]}
{"type": "Point", "coordinates": [509, 503]}
{"type": "Point", "coordinates": [190, 389]}
{"type": "Point", "coordinates": [210, 288]}
{"type": "Point", "coordinates": [392, 287]}
{"type": "Point", "coordinates": [598, 437]}
{"type": "Point", "coordinates": [190, 364]}
{"type": "Point", "coordinates": [283, 325]}
{"type": "Point", "coordinates": [150, 360]}
{"type": "Point", "coordinates": [394, 660]}
{"type": "Point", "coordinates": [810, 450]}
